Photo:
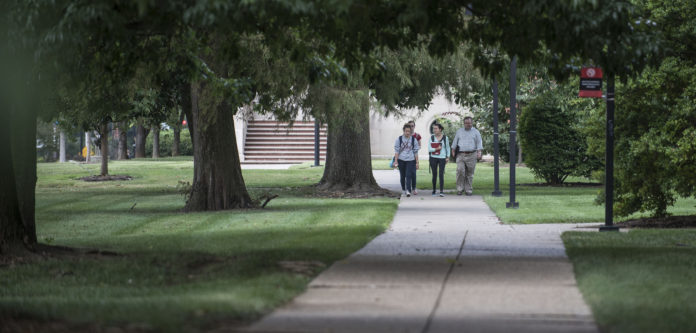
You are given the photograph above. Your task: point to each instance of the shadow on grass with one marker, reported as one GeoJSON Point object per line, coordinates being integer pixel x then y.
{"type": "Point", "coordinates": [641, 281]}
{"type": "Point", "coordinates": [320, 241]}
{"type": "Point", "coordinates": [150, 190]}
{"type": "Point", "coordinates": [540, 190]}
{"type": "Point", "coordinates": [116, 190]}
{"type": "Point", "coordinates": [327, 204]}
{"type": "Point", "coordinates": [165, 280]}
{"type": "Point", "coordinates": [141, 202]}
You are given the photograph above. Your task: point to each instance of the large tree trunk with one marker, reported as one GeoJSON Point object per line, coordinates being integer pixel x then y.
{"type": "Point", "coordinates": [24, 158]}
{"type": "Point", "coordinates": [349, 159]}
{"type": "Point", "coordinates": [17, 180]}
{"type": "Point", "coordinates": [122, 140]}
{"type": "Point", "coordinates": [104, 140]}
{"type": "Point", "coordinates": [140, 137]}
{"type": "Point", "coordinates": [12, 231]}
{"type": "Point", "coordinates": [155, 141]}
{"type": "Point", "coordinates": [18, 108]}
{"type": "Point", "coordinates": [217, 180]}
{"type": "Point", "coordinates": [61, 156]}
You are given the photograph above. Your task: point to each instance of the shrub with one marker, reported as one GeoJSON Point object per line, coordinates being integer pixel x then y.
{"type": "Point", "coordinates": [553, 145]}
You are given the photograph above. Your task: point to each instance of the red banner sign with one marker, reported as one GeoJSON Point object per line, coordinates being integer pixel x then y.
{"type": "Point", "coordinates": [591, 82]}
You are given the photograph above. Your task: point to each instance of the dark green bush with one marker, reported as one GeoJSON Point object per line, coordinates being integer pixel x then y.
{"type": "Point", "coordinates": [551, 140]}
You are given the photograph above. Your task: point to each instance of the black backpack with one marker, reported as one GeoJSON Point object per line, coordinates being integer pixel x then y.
{"type": "Point", "coordinates": [401, 148]}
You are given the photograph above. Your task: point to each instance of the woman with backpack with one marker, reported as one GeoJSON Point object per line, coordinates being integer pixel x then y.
{"type": "Point", "coordinates": [406, 159]}
{"type": "Point", "coordinates": [439, 148]}
{"type": "Point", "coordinates": [418, 137]}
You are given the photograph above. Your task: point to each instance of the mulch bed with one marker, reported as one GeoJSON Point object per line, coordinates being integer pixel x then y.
{"type": "Point", "coordinates": [98, 178]}
{"type": "Point", "coordinates": [670, 222]}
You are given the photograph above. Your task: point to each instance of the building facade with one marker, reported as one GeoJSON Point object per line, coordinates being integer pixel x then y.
{"type": "Point", "coordinates": [261, 139]}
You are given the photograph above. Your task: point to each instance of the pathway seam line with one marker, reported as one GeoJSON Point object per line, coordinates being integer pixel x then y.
{"type": "Point", "coordinates": [426, 328]}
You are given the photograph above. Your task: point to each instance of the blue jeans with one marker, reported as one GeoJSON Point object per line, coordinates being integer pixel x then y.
{"type": "Point", "coordinates": [406, 170]}
{"type": "Point", "coordinates": [413, 175]}
{"type": "Point", "coordinates": [438, 165]}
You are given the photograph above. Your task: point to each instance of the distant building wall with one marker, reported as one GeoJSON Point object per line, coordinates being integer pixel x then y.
{"type": "Point", "coordinates": [383, 130]}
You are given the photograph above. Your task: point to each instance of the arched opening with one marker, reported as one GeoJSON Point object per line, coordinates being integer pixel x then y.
{"type": "Point", "coordinates": [451, 121]}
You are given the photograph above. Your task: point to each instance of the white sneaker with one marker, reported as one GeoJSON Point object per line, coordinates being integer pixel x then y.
{"type": "Point", "coordinates": [408, 194]}
{"type": "Point", "coordinates": [403, 192]}
{"type": "Point", "coordinates": [415, 192]}
{"type": "Point", "coordinates": [442, 194]}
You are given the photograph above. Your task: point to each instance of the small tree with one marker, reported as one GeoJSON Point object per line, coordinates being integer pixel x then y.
{"type": "Point", "coordinates": [554, 146]}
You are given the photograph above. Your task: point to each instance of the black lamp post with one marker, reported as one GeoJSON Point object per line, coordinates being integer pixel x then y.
{"type": "Point", "coordinates": [609, 163]}
{"type": "Point", "coordinates": [513, 132]}
{"type": "Point", "coordinates": [496, 143]}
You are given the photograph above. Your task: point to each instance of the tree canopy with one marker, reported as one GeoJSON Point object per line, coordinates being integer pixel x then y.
{"type": "Point", "coordinates": [224, 54]}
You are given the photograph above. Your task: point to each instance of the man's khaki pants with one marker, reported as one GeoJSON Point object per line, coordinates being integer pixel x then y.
{"type": "Point", "coordinates": [466, 163]}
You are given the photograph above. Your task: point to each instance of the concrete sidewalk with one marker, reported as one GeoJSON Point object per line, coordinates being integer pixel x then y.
{"type": "Point", "coordinates": [444, 265]}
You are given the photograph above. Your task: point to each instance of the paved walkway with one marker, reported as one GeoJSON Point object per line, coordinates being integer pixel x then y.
{"type": "Point", "coordinates": [444, 265]}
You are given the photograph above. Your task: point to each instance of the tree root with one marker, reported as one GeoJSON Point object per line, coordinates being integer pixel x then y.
{"type": "Point", "coordinates": [24, 254]}
{"type": "Point", "coordinates": [268, 198]}
{"type": "Point", "coordinates": [10, 251]}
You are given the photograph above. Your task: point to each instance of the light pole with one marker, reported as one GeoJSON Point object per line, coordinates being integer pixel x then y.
{"type": "Point", "coordinates": [609, 163]}
{"type": "Point", "coordinates": [496, 142]}
{"type": "Point", "coordinates": [513, 132]}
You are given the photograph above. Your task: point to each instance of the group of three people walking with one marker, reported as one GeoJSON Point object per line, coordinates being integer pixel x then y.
{"type": "Point", "coordinates": [466, 149]}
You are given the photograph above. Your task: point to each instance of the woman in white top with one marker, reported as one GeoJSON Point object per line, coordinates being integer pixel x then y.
{"type": "Point", "coordinates": [406, 159]}
{"type": "Point", "coordinates": [439, 148]}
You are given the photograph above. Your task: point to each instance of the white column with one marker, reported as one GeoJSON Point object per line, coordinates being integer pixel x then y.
{"type": "Point", "coordinates": [97, 148]}
{"type": "Point", "coordinates": [240, 133]}
{"type": "Point", "coordinates": [62, 147]}
{"type": "Point", "coordinates": [89, 148]}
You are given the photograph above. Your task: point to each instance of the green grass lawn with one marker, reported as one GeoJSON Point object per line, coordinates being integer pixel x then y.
{"type": "Point", "coordinates": [641, 281]}
{"type": "Point", "coordinates": [196, 271]}
{"type": "Point", "coordinates": [539, 204]}
{"type": "Point", "coordinates": [179, 271]}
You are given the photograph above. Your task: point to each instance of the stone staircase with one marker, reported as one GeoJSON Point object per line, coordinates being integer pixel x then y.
{"type": "Point", "coordinates": [273, 142]}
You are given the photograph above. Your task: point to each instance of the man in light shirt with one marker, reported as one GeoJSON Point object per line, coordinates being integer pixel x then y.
{"type": "Point", "coordinates": [468, 140]}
